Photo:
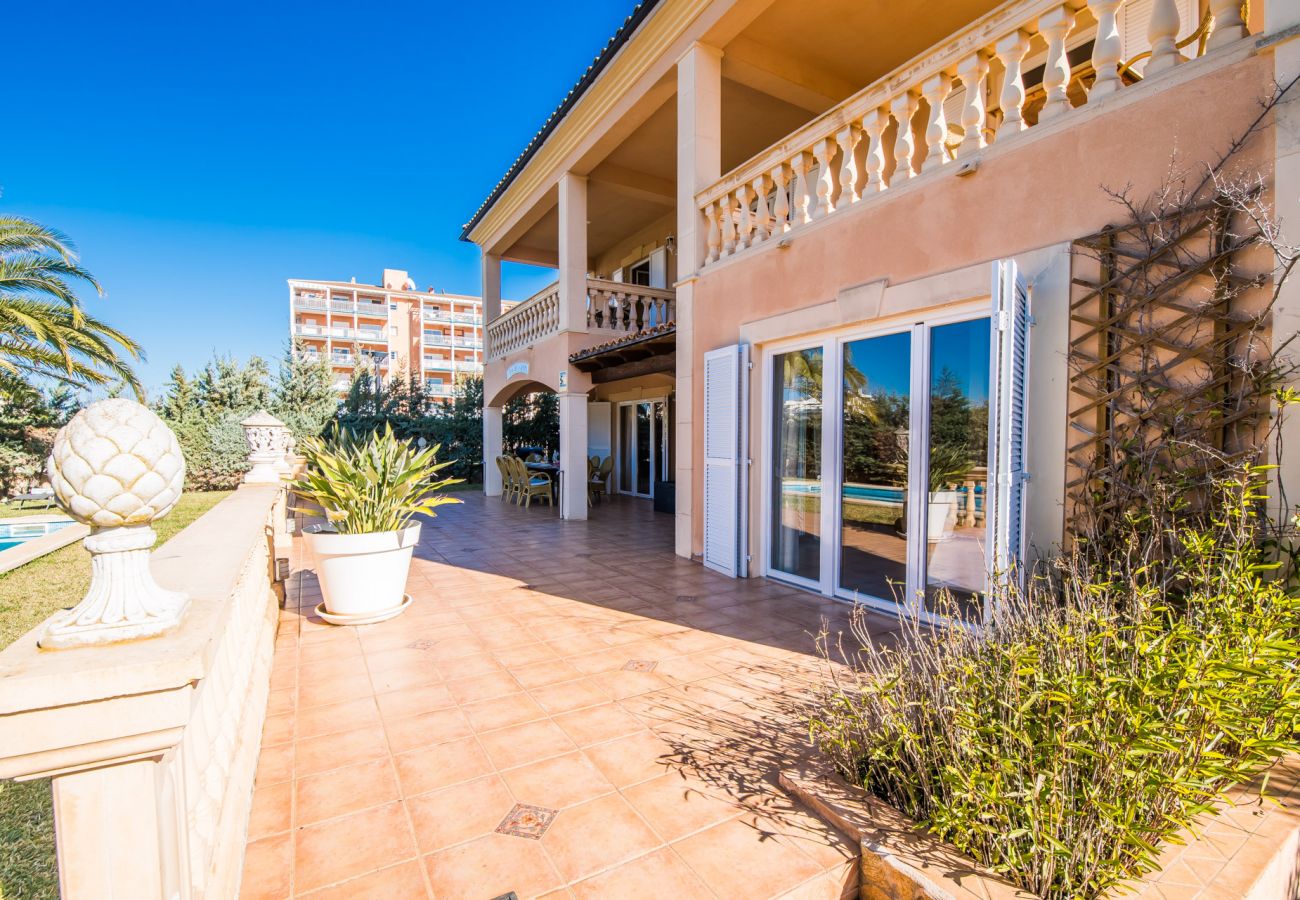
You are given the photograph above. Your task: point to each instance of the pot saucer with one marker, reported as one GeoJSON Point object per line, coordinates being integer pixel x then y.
{"type": "Point", "coordinates": [369, 619]}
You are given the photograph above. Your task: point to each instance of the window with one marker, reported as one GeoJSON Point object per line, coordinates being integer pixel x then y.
{"type": "Point", "coordinates": [896, 456]}
{"type": "Point", "coordinates": [392, 306]}
{"type": "Point", "coordinates": [639, 273]}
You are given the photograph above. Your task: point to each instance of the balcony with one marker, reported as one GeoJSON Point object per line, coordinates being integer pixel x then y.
{"type": "Point", "coordinates": [317, 304]}
{"type": "Point", "coordinates": [940, 110]}
{"type": "Point", "coordinates": [614, 309]}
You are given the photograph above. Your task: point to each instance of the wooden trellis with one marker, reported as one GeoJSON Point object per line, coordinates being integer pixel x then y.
{"type": "Point", "coordinates": [1169, 354]}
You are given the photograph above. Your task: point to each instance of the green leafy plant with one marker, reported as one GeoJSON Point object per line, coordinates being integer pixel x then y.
{"type": "Point", "coordinates": [1095, 715]}
{"type": "Point", "coordinates": [373, 483]}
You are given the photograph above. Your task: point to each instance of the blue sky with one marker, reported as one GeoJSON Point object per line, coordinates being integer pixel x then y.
{"type": "Point", "coordinates": [199, 155]}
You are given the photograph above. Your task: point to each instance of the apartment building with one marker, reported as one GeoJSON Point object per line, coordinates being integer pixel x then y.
{"type": "Point", "coordinates": [390, 327]}
{"type": "Point", "coordinates": [801, 246]}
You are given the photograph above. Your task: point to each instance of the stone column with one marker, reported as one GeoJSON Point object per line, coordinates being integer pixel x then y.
{"type": "Point", "coordinates": [573, 455]}
{"type": "Point", "coordinates": [699, 164]}
{"type": "Point", "coordinates": [491, 264]}
{"type": "Point", "coordinates": [573, 252]}
{"type": "Point", "coordinates": [492, 441]}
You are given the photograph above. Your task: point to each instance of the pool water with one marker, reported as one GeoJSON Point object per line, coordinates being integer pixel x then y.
{"type": "Point", "coordinates": [15, 533]}
{"type": "Point", "coordinates": [885, 495]}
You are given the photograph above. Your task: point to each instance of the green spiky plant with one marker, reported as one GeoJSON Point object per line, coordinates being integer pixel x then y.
{"type": "Point", "coordinates": [372, 484]}
{"type": "Point", "coordinates": [44, 328]}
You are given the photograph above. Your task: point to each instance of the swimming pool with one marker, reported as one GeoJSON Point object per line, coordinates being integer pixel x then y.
{"type": "Point", "coordinates": [887, 495]}
{"type": "Point", "coordinates": [14, 533]}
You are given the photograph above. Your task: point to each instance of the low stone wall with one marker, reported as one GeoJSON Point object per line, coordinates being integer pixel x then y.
{"type": "Point", "coordinates": [152, 744]}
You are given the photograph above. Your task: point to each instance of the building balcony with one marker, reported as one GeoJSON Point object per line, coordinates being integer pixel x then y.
{"type": "Point", "coordinates": [317, 304]}
{"type": "Point", "coordinates": [939, 111]}
{"type": "Point", "coordinates": [367, 335]}
{"type": "Point", "coordinates": [614, 309]}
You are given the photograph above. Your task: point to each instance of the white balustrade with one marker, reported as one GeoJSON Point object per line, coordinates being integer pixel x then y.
{"type": "Point", "coordinates": [536, 318]}
{"type": "Point", "coordinates": [822, 169]}
{"type": "Point", "coordinates": [628, 308]}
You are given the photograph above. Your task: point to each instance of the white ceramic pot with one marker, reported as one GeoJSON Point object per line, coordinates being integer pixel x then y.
{"type": "Point", "coordinates": [363, 575]}
{"type": "Point", "coordinates": [942, 504]}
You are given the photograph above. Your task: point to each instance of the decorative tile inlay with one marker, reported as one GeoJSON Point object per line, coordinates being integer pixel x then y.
{"type": "Point", "coordinates": [527, 821]}
{"type": "Point", "coordinates": [421, 644]}
{"type": "Point", "coordinates": [639, 665]}
{"type": "Point", "coordinates": [686, 598]}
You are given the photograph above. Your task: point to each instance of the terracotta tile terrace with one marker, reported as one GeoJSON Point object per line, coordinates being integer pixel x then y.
{"type": "Point", "coordinates": [566, 710]}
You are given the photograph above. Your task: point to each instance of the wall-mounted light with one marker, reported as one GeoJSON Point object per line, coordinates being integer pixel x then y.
{"type": "Point", "coordinates": [670, 243]}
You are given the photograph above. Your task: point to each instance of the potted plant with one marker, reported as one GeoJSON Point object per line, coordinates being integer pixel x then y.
{"type": "Point", "coordinates": [371, 490]}
{"type": "Point", "coordinates": [949, 464]}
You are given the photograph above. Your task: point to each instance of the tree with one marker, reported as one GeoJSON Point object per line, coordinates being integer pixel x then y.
{"type": "Point", "coordinates": [303, 396]}
{"type": "Point", "coordinates": [28, 422]}
{"type": "Point", "coordinates": [45, 331]}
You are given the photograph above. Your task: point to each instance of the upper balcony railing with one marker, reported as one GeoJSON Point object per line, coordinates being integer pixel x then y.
{"type": "Point", "coordinates": [625, 308]}
{"type": "Point", "coordinates": [613, 308]}
{"type": "Point", "coordinates": [873, 141]}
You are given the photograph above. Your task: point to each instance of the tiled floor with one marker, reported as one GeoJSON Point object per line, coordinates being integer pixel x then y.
{"type": "Point", "coordinates": [570, 679]}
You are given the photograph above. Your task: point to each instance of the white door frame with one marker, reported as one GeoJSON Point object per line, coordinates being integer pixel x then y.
{"type": "Point", "coordinates": [832, 344]}
{"type": "Point", "coordinates": [654, 446]}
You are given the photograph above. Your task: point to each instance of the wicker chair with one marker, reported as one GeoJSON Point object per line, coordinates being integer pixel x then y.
{"type": "Point", "coordinates": [598, 478]}
{"type": "Point", "coordinates": [532, 484]}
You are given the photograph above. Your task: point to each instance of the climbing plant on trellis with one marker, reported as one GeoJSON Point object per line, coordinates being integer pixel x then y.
{"type": "Point", "coordinates": [1173, 367]}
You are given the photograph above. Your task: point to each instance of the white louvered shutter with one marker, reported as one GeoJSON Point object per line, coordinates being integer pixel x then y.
{"type": "Point", "coordinates": [1135, 19]}
{"type": "Point", "coordinates": [723, 375]}
{"type": "Point", "coordinates": [659, 268]}
{"type": "Point", "coordinates": [1009, 369]}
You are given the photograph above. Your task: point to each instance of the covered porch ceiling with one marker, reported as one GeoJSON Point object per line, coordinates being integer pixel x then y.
{"type": "Point", "coordinates": [784, 63]}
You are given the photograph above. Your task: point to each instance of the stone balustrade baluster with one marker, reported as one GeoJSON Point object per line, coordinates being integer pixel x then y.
{"type": "Point", "coordinates": [973, 71]}
{"type": "Point", "coordinates": [1055, 26]}
{"type": "Point", "coordinates": [874, 124]}
{"type": "Point", "coordinates": [903, 108]}
{"type": "Point", "coordinates": [1107, 48]}
{"type": "Point", "coordinates": [762, 215]}
{"type": "Point", "coordinates": [1162, 34]}
{"type": "Point", "coordinates": [935, 90]}
{"type": "Point", "coordinates": [824, 153]}
{"type": "Point", "coordinates": [800, 214]}
{"type": "Point", "coordinates": [728, 225]}
{"type": "Point", "coordinates": [781, 202]}
{"type": "Point", "coordinates": [712, 233]}
{"type": "Point", "coordinates": [847, 139]}
{"type": "Point", "coordinates": [1229, 26]}
{"type": "Point", "coordinates": [744, 221]}
{"type": "Point", "coordinates": [1011, 52]}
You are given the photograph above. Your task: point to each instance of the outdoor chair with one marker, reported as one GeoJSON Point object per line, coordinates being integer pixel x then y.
{"type": "Point", "coordinates": [533, 484]}
{"type": "Point", "coordinates": [518, 477]}
{"type": "Point", "coordinates": [598, 480]}
{"type": "Point", "coordinates": [507, 478]}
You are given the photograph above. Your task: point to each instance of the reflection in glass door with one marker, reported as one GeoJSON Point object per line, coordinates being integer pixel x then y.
{"type": "Point", "coordinates": [957, 435]}
{"type": "Point", "coordinates": [797, 465]}
{"type": "Point", "coordinates": [644, 443]}
{"type": "Point", "coordinates": [875, 457]}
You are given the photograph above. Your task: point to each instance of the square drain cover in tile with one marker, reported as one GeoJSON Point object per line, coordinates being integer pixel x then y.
{"type": "Point", "coordinates": [639, 665]}
{"type": "Point", "coordinates": [686, 598]}
{"type": "Point", "coordinates": [421, 644]}
{"type": "Point", "coordinates": [527, 821]}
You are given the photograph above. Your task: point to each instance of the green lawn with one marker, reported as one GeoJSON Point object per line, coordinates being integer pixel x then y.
{"type": "Point", "coordinates": [12, 511]}
{"type": "Point", "coordinates": [28, 595]}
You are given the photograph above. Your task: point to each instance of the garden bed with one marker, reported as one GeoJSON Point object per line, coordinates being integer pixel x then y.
{"type": "Point", "coordinates": [1249, 849]}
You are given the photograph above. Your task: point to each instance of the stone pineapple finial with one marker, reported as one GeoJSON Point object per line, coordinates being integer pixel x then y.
{"type": "Point", "coordinates": [118, 468]}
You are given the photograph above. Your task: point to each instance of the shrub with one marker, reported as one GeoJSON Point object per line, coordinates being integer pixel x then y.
{"type": "Point", "coordinates": [372, 483]}
{"type": "Point", "coordinates": [1101, 710]}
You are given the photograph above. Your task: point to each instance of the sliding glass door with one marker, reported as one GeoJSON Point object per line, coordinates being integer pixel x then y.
{"type": "Point", "coordinates": [900, 440]}
{"type": "Point", "coordinates": [642, 446]}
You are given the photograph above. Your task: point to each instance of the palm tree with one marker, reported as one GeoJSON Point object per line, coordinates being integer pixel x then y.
{"type": "Point", "coordinates": [44, 330]}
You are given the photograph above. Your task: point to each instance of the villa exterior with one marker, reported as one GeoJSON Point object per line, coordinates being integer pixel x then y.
{"type": "Point", "coordinates": [435, 335]}
{"type": "Point", "coordinates": [829, 251]}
